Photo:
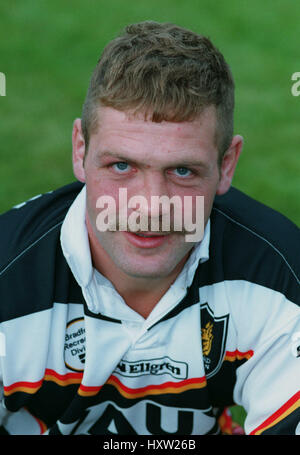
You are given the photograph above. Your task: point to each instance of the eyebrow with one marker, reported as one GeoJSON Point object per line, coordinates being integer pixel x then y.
{"type": "Point", "coordinates": [110, 154]}
{"type": "Point", "coordinates": [179, 163]}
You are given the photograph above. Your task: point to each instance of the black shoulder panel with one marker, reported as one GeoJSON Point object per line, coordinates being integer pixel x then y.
{"type": "Point", "coordinates": [21, 227]}
{"type": "Point", "coordinates": [33, 270]}
{"type": "Point", "coordinates": [253, 242]}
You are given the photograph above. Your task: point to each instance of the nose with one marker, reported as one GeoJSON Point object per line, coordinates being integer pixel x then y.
{"type": "Point", "coordinates": [154, 189]}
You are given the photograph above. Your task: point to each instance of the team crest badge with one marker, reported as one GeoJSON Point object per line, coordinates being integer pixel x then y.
{"type": "Point", "coordinates": [213, 335]}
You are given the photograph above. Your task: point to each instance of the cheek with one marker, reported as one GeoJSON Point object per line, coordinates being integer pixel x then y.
{"type": "Point", "coordinates": [96, 191]}
{"type": "Point", "coordinates": [208, 193]}
{"type": "Point", "coordinates": [98, 186]}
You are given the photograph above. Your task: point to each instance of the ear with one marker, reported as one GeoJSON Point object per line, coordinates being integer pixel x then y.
{"type": "Point", "coordinates": [78, 154]}
{"type": "Point", "coordinates": [229, 163]}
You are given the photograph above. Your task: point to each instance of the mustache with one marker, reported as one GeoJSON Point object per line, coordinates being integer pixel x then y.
{"type": "Point", "coordinates": [166, 218]}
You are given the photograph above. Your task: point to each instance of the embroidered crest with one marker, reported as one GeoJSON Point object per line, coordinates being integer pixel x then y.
{"type": "Point", "coordinates": [207, 338]}
{"type": "Point", "coordinates": [213, 335]}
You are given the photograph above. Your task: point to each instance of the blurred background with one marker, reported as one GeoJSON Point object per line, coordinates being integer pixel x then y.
{"type": "Point", "coordinates": [48, 50]}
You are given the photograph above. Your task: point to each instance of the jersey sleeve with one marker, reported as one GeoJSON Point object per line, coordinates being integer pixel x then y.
{"type": "Point", "coordinates": [267, 385]}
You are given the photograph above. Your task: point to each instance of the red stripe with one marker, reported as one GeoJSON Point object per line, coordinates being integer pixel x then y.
{"type": "Point", "coordinates": [87, 388]}
{"type": "Point", "coordinates": [278, 413]}
{"type": "Point", "coordinates": [239, 353]}
{"type": "Point", "coordinates": [40, 423]}
{"type": "Point", "coordinates": [63, 377]}
{"type": "Point", "coordinates": [144, 389]}
{"type": "Point", "coordinates": [31, 385]}
{"type": "Point", "coordinates": [37, 384]}
{"type": "Point", "coordinates": [42, 426]}
{"type": "Point", "coordinates": [160, 386]}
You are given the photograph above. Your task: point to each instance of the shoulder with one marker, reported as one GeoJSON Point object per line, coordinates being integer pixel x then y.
{"type": "Point", "coordinates": [256, 242]}
{"type": "Point", "coordinates": [26, 224]}
{"type": "Point", "coordinates": [33, 272]}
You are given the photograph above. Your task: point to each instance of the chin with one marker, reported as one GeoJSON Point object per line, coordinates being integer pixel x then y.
{"type": "Point", "coordinates": [146, 272]}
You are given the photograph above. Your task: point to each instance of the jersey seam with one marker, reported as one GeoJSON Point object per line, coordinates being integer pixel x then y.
{"type": "Point", "coordinates": [262, 238]}
{"type": "Point", "coordinates": [28, 248]}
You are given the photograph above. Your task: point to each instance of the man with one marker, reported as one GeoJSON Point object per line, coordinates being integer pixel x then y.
{"type": "Point", "coordinates": [139, 331]}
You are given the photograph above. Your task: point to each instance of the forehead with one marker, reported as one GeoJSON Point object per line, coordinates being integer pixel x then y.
{"type": "Point", "coordinates": [124, 132]}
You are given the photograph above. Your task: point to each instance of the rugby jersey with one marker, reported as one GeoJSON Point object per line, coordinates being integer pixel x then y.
{"type": "Point", "coordinates": [75, 359]}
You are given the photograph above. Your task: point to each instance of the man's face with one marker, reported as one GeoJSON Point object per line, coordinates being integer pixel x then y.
{"type": "Point", "coordinates": [146, 159]}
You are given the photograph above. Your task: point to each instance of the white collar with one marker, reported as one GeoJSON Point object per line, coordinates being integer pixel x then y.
{"type": "Point", "coordinates": [76, 249]}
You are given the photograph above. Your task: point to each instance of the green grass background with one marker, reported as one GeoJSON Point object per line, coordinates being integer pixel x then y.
{"type": "Point", "coordinates": [48, 50]}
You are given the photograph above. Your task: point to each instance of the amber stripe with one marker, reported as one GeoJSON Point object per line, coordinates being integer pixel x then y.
{"type": "Point", "coordinates": [291, 405]}
{"type": "Point", "coordinates": [50, 375]}
{"type": "Point", "coordinates": [167, 387]}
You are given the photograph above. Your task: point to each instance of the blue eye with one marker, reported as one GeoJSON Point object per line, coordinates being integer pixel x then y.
{"type": "Point", "coordinates": [121, 166]}
{"type": "Point", "coordinates": [182, 171]}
